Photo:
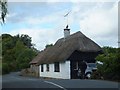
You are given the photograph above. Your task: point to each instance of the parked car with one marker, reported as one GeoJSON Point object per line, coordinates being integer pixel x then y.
{"type": "Point", "coordinates": [90, 68]}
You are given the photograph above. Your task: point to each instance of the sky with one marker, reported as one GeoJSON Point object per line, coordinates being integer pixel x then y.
{"type": "Point", "coordinates": [44, 21]}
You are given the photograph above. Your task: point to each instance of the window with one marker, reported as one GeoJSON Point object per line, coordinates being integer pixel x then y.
{"type": "Point", "coordinates": [41, 67]}
{"type": "Point", "coordinates": [56, 67]}
{"type": "Point", "coordinates": [47, 67]}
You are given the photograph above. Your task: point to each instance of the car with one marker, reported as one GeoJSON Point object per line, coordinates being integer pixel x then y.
{"type": "Point", "coordinates": [90, 68]}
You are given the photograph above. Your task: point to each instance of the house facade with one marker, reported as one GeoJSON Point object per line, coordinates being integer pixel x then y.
{"type": "Point", "coordinates": [55, 70]}
{"type": "Point", "coordinates": [63, 58]}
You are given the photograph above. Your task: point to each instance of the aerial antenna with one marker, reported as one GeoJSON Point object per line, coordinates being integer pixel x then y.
{"type": "Point", "coordinates": [66, 15]}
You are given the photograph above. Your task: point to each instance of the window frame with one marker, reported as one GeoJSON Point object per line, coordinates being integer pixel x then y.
{"type": "Point", "coordinates": [47, 67]}
{"type": "Point", "coordinates": [42, 68]}
{"type": "Point", "coordinates": [56, 67]}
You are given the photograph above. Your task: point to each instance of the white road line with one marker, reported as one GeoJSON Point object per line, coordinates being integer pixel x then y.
{"type": "Point", "coordinates": [56, 85]}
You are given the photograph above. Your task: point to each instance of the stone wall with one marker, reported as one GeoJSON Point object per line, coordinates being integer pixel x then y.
{"type": "Point", "coordinates": [32, 71]}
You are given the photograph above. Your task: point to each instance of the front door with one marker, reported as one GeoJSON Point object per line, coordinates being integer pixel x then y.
{"type": "Point", "coordinates": [74, 69]}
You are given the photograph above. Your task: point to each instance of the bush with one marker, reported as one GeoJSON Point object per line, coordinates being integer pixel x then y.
{"type": "Point", "coordinates": [5, 68]}
{"type": "Point", "coordinates": [110, 70]}
{"type": "Point", "coordinates": [96, 75]}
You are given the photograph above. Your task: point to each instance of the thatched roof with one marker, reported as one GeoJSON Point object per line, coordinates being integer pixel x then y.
{"type": "Point", "coordinates": [63, 48]}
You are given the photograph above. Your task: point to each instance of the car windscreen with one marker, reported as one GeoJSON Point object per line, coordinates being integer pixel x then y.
{"type": "Point", "coordinates": [92, 65]}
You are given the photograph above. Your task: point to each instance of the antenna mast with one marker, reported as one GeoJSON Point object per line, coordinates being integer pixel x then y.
{"type": "Point", "coordinates": [66, 15]}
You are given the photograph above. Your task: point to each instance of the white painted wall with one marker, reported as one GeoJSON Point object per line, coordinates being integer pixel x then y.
{"type": "Point", "coordinates": [64, 71]}
{"type": "Point", "coordinates": [66, 33]}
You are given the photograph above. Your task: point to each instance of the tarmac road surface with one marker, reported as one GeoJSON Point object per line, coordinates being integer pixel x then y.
{"type": "Point", "coordinates": [14, 81]}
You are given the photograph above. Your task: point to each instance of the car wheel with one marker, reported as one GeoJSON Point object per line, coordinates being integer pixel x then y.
{"type": "Point", "coordinates": [88, 75]}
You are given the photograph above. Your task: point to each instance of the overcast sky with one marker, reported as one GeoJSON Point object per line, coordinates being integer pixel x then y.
{"type": "Point", "coordinates": [45, 21]}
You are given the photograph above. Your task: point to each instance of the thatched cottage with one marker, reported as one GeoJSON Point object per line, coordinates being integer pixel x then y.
{"type": "Point", "coordinates": [62, 59]}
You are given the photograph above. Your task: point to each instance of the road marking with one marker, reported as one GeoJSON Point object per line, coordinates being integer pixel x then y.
{"type": "Point", "coordinates": [56, 85]}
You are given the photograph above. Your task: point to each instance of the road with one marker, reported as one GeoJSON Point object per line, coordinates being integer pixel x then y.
{"type": "Point", "coordinates": [13, 80]}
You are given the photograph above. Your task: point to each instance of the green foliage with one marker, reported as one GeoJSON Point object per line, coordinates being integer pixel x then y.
{"type": "Point", "coordinates": [0, 48]}
{"type": "Point", "coordinates": [48, 45]}
{"type": "Point", "coordinates": [26, 40]}
{"type": "Point", "coordinates": [16, 52]}
{"type": "Point", "coordinates": [5, 68]}
{"type": "Point", "coordinates": [25, 57]}
{"type": "Point", "coordinates": [3, 10]}
{"type": "Point", "coordinates": [111, 63]}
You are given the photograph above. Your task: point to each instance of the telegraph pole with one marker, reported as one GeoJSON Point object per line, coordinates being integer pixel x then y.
{"type": "Point", "coordinates": [118, 44]}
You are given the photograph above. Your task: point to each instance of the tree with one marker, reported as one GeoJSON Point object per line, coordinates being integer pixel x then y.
{"type": "Point", "coordinates": [24, 58]}
{"type": "Point", "coordinates": [0, 47]}
{"type": "Point", "coordinates": [3, 10]}
{"type": "Point", "coordinates": [111, 63]}
{"type": "Point", "coordinates": [48, 45]}
{"type": "Point", "coordinates": [16, 53]}
{"type": "Point", "coordinates": [26, 40]}
{"type": "Point", "coordinates": [7, 43]}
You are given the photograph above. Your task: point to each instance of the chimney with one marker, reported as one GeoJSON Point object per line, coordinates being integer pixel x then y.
{"type": "Point", "coordinates": [66, 32]}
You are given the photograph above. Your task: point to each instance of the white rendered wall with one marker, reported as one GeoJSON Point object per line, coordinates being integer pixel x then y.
{"type": "Point", "coordinates": [64, 71]}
